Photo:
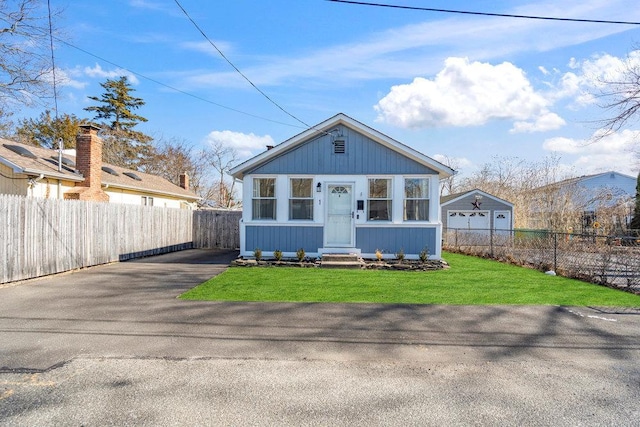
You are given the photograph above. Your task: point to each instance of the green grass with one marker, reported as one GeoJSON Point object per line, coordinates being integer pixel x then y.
{"type": "Point", "coordinates": [469, 281]}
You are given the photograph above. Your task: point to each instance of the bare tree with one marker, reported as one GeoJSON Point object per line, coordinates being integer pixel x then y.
{"type": "Point", "coordinates": [448, 185]}
{"type": "Point", "coordinates": [222, 158]}
{"type": "Point", "coordinates": [172, 157]}
{"type": "Point", "coordinates": [25, 58]}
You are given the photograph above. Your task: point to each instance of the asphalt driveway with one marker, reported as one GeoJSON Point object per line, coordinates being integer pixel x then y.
{"type": "Point", "coordinates": [62, 338]}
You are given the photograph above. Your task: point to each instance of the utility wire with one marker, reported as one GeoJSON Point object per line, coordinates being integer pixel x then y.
{"type": "Point", "coordinates": [53, 61]}
{"type": "Point", "coordinates": [503, 15]}
{"type": "Point", "coordinates": [236, 68]}
{"type": "Point", "coordinates": [142, 76]}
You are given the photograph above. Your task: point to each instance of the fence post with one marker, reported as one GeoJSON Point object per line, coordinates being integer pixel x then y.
{"type": "Point", "coordinates": [555, 251]}
{"type": "Point", "coordinates": [491, 242]}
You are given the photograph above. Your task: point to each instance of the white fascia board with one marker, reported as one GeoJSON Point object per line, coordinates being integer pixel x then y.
{"type": "Point", "coordinates": [13, 166]}
{"type": "Point", "coordinates": [37, 172]}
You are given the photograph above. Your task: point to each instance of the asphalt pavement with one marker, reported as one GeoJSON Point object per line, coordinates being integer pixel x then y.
{"type": "Point", "coordinates": [112, 345]}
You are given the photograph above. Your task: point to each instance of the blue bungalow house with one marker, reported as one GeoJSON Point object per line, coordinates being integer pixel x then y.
{"type": "Point", "coordinates": [341, 187]}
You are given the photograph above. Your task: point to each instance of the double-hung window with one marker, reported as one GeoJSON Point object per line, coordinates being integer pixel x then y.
{"type": "Point", "coordinates": [301, 198]}
{"type": "Point", "coordinates": [379, 200]}
{"type": "Point", "coordinates": [416, 199]}
{"type": "Point", "coordinates": [264, 198]}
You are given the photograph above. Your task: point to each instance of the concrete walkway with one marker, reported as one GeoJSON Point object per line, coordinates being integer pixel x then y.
{"type": "Point", "coordinates": [112, 345]}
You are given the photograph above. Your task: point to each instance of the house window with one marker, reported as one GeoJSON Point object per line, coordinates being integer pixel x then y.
{"type": "Point", "coordinates": [379, 201]}
{"type": "Point", "coordinates": [264, 198]}
{"type": "Point", "coordinates": [301, 198]}
{"type": "Point", "coordinates": [147, 201]}
{"type": "Point", "coordinates": [416, 199]}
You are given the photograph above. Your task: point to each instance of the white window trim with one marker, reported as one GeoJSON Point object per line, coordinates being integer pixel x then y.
{"type": "Point", "coordinates": [290, 197]}
{"type": "Point", "coordinates": [390, 198]}
{"type": "Point", "coordinates": [275, 197]}
{"type": "Point", "coordinates": [414, 221]}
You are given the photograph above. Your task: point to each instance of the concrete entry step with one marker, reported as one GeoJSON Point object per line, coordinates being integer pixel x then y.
{"type": "Point", "coordinates": [340, 257]}
{"type": "Point", "coordinates": [349, 261]}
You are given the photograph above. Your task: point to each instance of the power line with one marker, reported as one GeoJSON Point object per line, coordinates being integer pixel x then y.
{"type": "Point", "coordinates": [142, 76]}
{"type": "Point", "coordinates": [503, 15]}
{"type": "Point", "coordinates": [236, 68]}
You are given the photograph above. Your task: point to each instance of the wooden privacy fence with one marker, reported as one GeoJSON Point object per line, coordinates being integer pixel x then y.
{"type": "Point", "coordinates": [42, 236]}
{"type": "Point", "coordinates": [216, 229]}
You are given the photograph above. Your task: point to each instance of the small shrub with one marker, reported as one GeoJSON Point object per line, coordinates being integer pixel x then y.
{"type": "Point", "coordinates": [257, 253]}
{"type": "Point", "coordinates": [424, 255]}
{"type": "Point", "coordinates": [400, 255]}
{"type": "Point", "coordinates": [300, 254]}
{"type": "Point", "coordinates": [277, 254]}
{"type": "Point", "coordinates": [378, 254]}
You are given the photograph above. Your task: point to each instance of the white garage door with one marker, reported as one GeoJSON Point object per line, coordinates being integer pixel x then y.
{"type": "Point", "coordinates": [469, 220]}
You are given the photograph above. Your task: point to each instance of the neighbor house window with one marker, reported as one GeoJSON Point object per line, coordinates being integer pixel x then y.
{"type": "Point", "coordinates": [264, 198]}
{"type": "Point", "coordinates": [379, 200]}
{"type": "Point", "coordinates": [147, 201]}
{"type": "Point", "coordinates": [416, 199]}
{"type": "Point", "coordinates": [301, 198]}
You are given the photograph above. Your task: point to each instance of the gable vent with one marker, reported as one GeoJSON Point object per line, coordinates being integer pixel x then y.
{"type": "Point", "coordinates": [339, 146]}
{"type": "Point", "coordinates": [21, 151]}
{"type": "Point", "coordinates": [110, 171]}
{"type": "Point", "coordinates": [132, 176]}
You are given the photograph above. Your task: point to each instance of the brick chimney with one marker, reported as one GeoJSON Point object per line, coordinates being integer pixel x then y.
{"type": "Point", "coordinates": [89, 163]}
{"type": "Point", "coordinates": [184, 181]}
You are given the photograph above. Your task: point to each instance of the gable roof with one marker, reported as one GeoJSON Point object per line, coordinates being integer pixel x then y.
{"type": "Point", "coordinates": [445, 200]}
{"type": "Point", "coordinates": [239, 171]}
{"type": "Point", "coordinates": [45, 162]}
{"type": "Point", "coordinates": [583, 178]}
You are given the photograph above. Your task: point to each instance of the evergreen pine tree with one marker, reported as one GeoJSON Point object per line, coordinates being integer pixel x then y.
{"type": "Point", "coordinates": [123, 146]}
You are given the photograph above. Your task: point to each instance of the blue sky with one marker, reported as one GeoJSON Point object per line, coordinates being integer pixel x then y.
{"type": "Point", "coordinates": [459, 87]}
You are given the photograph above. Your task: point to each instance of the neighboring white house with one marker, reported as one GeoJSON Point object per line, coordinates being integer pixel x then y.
{"type": "Point", "coordinates": [604, 200]}
{"type": "Point", "coordinates": [34, 172]}
{"type": "Point", "coordinates": [341, 187]}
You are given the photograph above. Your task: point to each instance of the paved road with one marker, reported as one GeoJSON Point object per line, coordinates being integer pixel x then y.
{"type": "Point", "coordinates": [112, 345]}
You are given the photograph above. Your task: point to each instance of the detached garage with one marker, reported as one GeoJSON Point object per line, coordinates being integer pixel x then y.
{"type": "Point", "coordinates": [477, 211]}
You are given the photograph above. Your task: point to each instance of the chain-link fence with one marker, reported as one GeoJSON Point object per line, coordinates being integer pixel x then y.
{"type": "Point", "coordinates": [607, 260]}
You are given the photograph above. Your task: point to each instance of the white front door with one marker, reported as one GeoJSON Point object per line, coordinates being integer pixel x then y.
{"type": "Point", "coordinates": [338, 230]}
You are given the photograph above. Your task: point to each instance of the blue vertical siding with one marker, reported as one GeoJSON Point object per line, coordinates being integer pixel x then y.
{"type": "Point", "coordinates": [362, 156]}
{"type": "Point", "coordinates": [284, 238]}
{"type": "Point", "coordinates": [412, 240]}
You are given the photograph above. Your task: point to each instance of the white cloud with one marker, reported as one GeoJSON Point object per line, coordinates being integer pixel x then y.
{"type": "Point", "coordinates": [611, 152]}
{"type": "Point", "coordinates": [63, 78]}
{"type": "Point", "coordinates": [98, 72]}
{"type": "Point", "coordinates": [469, 94]}
{"type": "Point", "coordinates": [246, 145]}
{"type": "Point", "coordinates": [590, 76]}
{"type": "Point", "coordinates": [542, 123]}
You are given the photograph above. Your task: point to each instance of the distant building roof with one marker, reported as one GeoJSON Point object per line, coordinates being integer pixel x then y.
{"type": "Point", "coordinates": [45, 162]}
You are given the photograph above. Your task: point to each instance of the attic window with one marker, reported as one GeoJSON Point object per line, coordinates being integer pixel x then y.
{"type": "Point", "coordinates": [110, 171]}
{"type": "Point", "coordinates": [21, 151]}
{"type": "Point", "coordinates": [338, 145]}
{"type": "Point", "coordinates": [65, 161]}
{"type": "Point", "coordinates": [132, 176]}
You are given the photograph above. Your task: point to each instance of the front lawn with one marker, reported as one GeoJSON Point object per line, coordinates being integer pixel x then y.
{"type": "Point", "coordinates": [469, 281]}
